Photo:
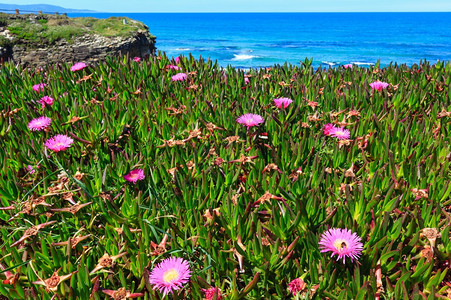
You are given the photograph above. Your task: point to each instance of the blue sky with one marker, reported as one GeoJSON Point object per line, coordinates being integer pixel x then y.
{"type": "Point", "coordinates": [248, 5]}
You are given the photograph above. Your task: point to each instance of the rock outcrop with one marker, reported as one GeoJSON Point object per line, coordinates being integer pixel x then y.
{"type": "Point", "coordinates": [88, 46]}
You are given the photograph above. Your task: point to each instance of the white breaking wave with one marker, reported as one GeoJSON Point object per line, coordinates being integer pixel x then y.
{"type": "Point", "coordinates": [243, 56]}
{"type": "Point", "coordinates": [361, 63]}
{"type": "Point", "coordinates": [329, 63]}
{"type": "Point", "coordinates": [183, 49]}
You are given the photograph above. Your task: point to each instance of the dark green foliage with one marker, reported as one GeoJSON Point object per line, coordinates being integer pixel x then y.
{"type": "Point", "coordinates": [388, 183]}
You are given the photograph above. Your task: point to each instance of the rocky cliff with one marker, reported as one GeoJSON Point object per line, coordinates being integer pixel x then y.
{"type": "Point", "coordinates": [36, 40]}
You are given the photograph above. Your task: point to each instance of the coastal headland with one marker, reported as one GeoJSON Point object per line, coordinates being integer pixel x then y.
{"type": "Point", "coordinates": [40, 39]}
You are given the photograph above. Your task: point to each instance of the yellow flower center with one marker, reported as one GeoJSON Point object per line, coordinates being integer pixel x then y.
{"type": "Point", "coordinates": [170, 275]}
{"type": "Point", "coordinates": [340, 244]}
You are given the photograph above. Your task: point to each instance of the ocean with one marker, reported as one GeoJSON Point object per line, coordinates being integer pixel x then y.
{"type": "Point", "coordinates": [248, 40]}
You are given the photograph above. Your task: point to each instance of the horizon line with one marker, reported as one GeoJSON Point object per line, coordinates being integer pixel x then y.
{"type": "Point", "coordinates": [265, 12]}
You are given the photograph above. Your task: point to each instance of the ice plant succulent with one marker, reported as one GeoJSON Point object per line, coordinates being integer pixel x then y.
{"type": "Point", "coordinates": [135, 175]}
{"type": "Point", "coordinates": [46, 100]}
{"type": "Point", "coordinates": [31, 169]}
{"type": "Point", "coordinates": [121, 294]}
{"type": "Point", "coordinates": [73, 241]}
{"type": "Point", "coordinates": [78, 66]}
{"type": "Point", "coordinates": [170, 275]}
{"type": "Point", "coordinates": [341, 242]}
{"type": "Point", "coordinates": [51, 284]}
{"type": "Point", "coordinates": [340, 133]}
{"type": "Point", "coordinates": [39, 123]}
{"type": "Point", "coordinates": [59, 142]}
{"type": "Point", "coordinates": [160, 248]}
{"type": "Point", "coordinates": [211, 292]}
{"type": "Point", "coordinates": [328, 129]}
{"type": "Point", "coordinates": [137, 59]}
{"type": "Point", "coordinates": [250, 120]}
{"type": "Point", "coordinates": [172, 67]}
{"type": "Point", "coordinates": [282, 102]}
{"type": "Point", "coordinates": [179, 77]}
{"type": "Point", "coordinates": [39, 87]}
{"type": "Point", "coordinates": [379, 85]}
{"type": "Point", "coordinates": [32, 231]}
{"type": "Point", "coordinates": [296, 285]}
{"type": "Point", "coordinates": [107, 261]}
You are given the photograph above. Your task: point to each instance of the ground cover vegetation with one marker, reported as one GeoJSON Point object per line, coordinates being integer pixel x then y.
{"type": "Point", "coordinates": [47, 29]}
{"type": "Point", "coordinates": [151, 178]}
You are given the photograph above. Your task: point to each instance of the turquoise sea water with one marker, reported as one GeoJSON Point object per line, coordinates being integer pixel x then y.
{"type": "Point", "coordinates": [263, 39]}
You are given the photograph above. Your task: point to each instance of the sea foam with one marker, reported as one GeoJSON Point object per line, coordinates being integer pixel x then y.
{"type": "Point", "coordinates": [358, 63]}
{"type": "Point", "coordinates": [243, 56]}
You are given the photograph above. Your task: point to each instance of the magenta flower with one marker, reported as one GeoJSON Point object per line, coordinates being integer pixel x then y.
{"type": "Point", "coordinates": [179, 77]}
{"type": "Point", "coordinates": [340, 133]}
{"type": "Point", "coordinates": [379, 85]}
{"type": "Point", "coordinates": [46, 100]}
{"type": "Point", "coordinates": [341, 242]}
{"type": "Point", "coordinates": [170, 275]}
{"type": "Point", "coordinates": [172, 67]}
{"type": "Point", "coordinates": [328, 129]}
{"type": "Point", "coordinates": [59, 142]}
{"type": "Point", "coordinates": [250, 120]}
{"type": "Point", "coordinates": [210, 293]}
{"type": "Point", "coordinates": [296, 285]}
{"type": "Point", "coordinates": [135, 175]}
{"type": "Point", "coordinates": [31, 169]}
{"type": "Point", "coordinates": [39, 123]}
{"type": "Point", "coordinates": [246, 80]}
{"type": "Point", "coordinates": [347, 66]}
{"type": "Point", "coordinates": [279, 102]}
{"type": "Point", "coordinates": [39, 87]}
{"type": "Point", "coordinates": [78, 66]}
{"type": "Point", "coordinates": [137, 59]}
{"type": "Point", "coordinates": [177, 60]}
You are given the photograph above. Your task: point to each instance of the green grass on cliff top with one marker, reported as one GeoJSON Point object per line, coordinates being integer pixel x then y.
{"type": "Point", "coordinates": [51, 28]}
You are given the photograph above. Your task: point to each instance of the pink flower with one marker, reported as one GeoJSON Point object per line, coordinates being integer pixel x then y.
{"type": "Point", "coordinates": [340, 133]}
{"type": "Point", "coordinates": [250, 120]}
{"type": "Point", "coordinates": [137, 59]}
{"type": "Point", "coordinates": [39, 87]}
{"type": "Point", "coordinates": [170, 275]}
{"type": "Point", "coordinates": [341, 242]}
{"type": "Point", "coordinates": [379, 85]}
{"type": "Point", "coordinates": [31, 169]}
{"type": "Point", "coordinates": [46, 100]}
{"type": "Point", "coordinates": [177, 60]}
{"type": "Point", "coordinates": [279, 102]}
{"type": "Point", "coordinates": [296, 285]}
{"type": "Point", "coordinates": [347, 66]}
{"type": "Point", "coordinates": [39, 123]}
{"type": "Point", "coordinates": [78, 66]}
{"type": "Point", "coordinates": [135, 175]}
{"type": "Point", "coordinates": [328, 128]}
{"type": "Point", "coordinates": [210, 293]}
{"type": "Point", "coordinates": [59, 142]}
{"type": "Point", "coordinates": [179, 77]}
{"type": "Point", "coordinates": [246, 80]}
{"type": "Point", "coordinates": [172, 67]}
